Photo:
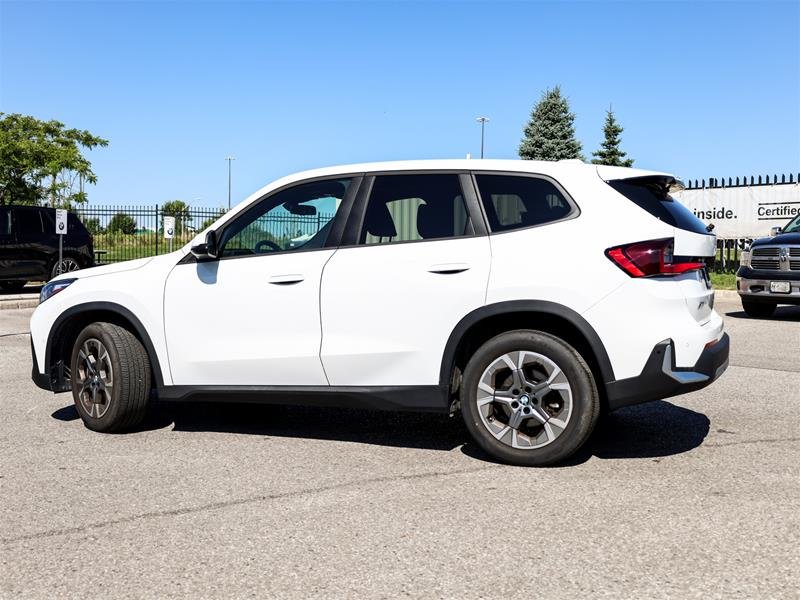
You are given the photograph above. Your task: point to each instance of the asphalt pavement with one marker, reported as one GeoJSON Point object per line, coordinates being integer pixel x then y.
{"type": "Point", "coordinates": [695, 497]}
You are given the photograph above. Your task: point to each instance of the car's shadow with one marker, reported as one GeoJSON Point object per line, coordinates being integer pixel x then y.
{"type": "Point", "coordinates": [651, 430]}
{"type": "Point", "coordinates": [782, 313]}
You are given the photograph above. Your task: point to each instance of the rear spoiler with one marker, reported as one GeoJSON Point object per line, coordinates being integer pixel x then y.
{"type": "Point", "coordinates": [670, 182]}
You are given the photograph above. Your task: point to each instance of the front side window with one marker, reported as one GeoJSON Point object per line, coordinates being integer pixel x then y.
{"type": "Point", "coordinates": [408, 208]}
{"type": "Point", "coordinates": [297, 218]}
{"type": "Point", "coordinates": [514, 202]}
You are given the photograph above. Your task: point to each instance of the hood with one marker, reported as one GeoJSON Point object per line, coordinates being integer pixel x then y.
{"type": "Point", "coordinates": [784, 239]}
{"type": "Point", "coordinates": [128, 265]}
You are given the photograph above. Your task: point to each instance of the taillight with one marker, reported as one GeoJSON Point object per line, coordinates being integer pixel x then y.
{"type": "Point", "coordinates": [654, 257]}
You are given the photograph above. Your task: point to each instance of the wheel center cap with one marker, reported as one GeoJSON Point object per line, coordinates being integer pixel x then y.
{"type": "Point", "coordinates": [524, 400]}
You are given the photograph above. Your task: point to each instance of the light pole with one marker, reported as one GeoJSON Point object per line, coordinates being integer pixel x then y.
{"type": "Point", "coordinates": [229, 159]}
{"type": "Point", "coordinates": [482, 121]}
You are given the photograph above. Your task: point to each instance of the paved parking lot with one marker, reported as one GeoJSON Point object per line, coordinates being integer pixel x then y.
{"type": "Point", "coordinates": [698, 496]}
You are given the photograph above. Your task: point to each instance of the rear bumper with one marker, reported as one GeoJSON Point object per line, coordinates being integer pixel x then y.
{"type": "Point", "coordinates": [660, 378]}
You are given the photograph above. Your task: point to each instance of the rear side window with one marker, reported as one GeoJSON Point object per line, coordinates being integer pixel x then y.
{"type": "Point", "coordinates": [408, 208]}
{"type": "Point", "coordinates": [652, 194]}
{"type": "Point", "coordinates": [514, 202]}
{"type": "Point", "coordinates": [27, 221]}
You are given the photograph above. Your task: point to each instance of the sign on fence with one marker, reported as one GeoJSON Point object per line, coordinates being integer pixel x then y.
{"type": "Point", "coordinates": [61, 221]}
{"type": "Point", "coordinates": [746, 211]}
{"type": "Point", "coordinates": [169, 227]}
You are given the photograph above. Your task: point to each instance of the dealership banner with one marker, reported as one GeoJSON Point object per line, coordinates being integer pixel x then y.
{"type": "Point", "coordinates": [746, 211]}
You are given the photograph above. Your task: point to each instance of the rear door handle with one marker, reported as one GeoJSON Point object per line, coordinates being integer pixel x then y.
{"type": "Point", "coordinates": [286, 279]}
{"type": "Point", "coordinates": [448, 268]}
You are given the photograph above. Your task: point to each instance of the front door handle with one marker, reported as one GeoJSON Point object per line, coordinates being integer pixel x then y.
{"type": "Point", "coordinates": [448, 268]}
{"type": "Point", "coordinates": [286, 279]}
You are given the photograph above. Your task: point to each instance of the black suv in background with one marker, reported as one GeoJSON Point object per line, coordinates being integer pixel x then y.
{"type": "Point", "coordinates": [29, 246]}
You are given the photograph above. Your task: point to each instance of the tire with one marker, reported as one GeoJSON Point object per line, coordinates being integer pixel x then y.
{"type": "Point", "coordinates": [759, 310]}
{"type": "Point", "coordinates": [68, 265]}
{"type": "Point", "coordinates": [121, 387]}
{"type": "Point", "coordinates": [565, 415]}
{"type": "Point", "coordinates": [12, 286]}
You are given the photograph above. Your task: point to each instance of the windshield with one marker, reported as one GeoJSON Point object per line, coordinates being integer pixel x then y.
{"type": "Point", "coordinates": [793, 226]}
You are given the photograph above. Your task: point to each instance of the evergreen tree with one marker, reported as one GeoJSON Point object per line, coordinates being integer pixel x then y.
{"type": "Point", "coordinates": [550, 134]}
{"type": "Point", "coordinates": [610, 152]}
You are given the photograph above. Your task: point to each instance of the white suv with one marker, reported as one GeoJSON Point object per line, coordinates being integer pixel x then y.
{"type": "Point", "coordinates": [529, 295]}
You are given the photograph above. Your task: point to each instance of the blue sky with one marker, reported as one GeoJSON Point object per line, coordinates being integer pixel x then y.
{"type": "Point", "coordinates": [702, 89]}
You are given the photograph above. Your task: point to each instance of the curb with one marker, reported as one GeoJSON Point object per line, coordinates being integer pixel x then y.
{"type": "Point", "coordinates": [19, 301]}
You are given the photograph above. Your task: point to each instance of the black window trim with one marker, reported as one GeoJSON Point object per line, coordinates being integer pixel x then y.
{"type": "Point", "coordinates": [339, 219]}
{"type": "Point", "coordinates": [574, 213]}
{"type": "Point", "coordinates": [350, 239]}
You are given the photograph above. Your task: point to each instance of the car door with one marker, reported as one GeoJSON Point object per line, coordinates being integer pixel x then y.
{"type": "Point", "coordinates": [251, 318]}
{"type": "Point", "coordinates": [415, 260]}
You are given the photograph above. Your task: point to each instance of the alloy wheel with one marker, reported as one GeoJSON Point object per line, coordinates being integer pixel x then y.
{"type": "Point", "coordinates": [95, 378]}
{"type": "Point", "coordinates": [524, 400]}
{"type": "Point", "coordinates": [67, 265]}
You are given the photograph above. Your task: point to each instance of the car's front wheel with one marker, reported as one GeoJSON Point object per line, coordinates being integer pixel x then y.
{"type": "Point", "coordinates": [529, 398]}
{"type": "Point", "coordinates": [758, 309]}
{"type": "Point", "coordinates": [110, 374]}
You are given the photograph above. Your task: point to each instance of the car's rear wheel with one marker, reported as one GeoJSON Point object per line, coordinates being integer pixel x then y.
{"type": "Point", "coordinates": [758, 309]}
{"type": "Point", "coordinates": [12, 286]}
{"type": "Point", "coordinates": [110, 374]}
{"type": "Point", "coordinates": [67, 265]}
{"type": "Point", "coordinates": [529, 398]}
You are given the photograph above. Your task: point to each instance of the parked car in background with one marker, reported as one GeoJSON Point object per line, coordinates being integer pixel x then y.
{"type": "Point", "coordinates": [528, 295]}
{"type": "Point", "coordinates": [29, 246]}
{"type": "Point", "coordinates": [769, 274]}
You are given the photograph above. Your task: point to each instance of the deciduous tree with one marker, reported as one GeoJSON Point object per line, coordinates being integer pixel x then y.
{"type": "Point", "coordinates": [42, 161]}
{"type": "Point", "coordinates": [122, 223]}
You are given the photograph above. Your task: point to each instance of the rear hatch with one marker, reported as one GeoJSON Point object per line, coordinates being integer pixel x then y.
{"type": "Point", "coordinates": [692, 239]}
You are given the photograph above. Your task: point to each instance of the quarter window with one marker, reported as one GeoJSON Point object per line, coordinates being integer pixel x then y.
{"type": "Point", "coordinates": [513, 202]}
{"type": "Point", "coordinates": [298, 218]}
{"type": "Point", "coordinates": [407, 208]}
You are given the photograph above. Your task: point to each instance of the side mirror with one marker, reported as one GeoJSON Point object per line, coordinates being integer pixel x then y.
{"type": "Point", "coordinates": [775, 231]}
{"type": "Point", "coordinates": [208, 250]}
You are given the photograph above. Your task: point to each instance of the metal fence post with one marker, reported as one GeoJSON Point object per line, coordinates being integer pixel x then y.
{"type": "Point", "coordinates": [156, 213]}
